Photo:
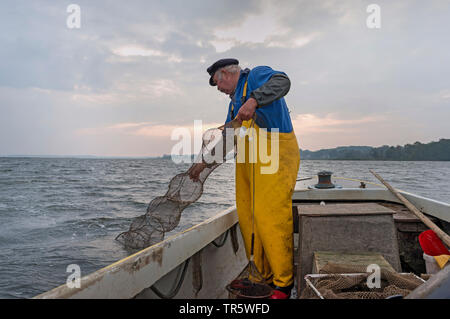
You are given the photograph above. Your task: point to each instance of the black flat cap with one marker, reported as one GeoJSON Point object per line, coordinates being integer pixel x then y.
{"type": "Point", "coordinates": [217, 65]}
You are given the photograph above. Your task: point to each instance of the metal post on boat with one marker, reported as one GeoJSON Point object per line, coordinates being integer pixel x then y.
{"type": "Point", "coordinates": [324, 178]}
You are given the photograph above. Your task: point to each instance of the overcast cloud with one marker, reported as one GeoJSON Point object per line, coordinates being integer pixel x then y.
{"type": "Point", "coordinates": [136, 70]}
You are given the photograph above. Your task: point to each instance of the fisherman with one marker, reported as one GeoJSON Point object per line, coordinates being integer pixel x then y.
{"type": "Point", "coordinates": [257, 101]}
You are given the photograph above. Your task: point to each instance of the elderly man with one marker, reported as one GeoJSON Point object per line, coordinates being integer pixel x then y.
{"type": "Point", "coordinates": [263, 200]}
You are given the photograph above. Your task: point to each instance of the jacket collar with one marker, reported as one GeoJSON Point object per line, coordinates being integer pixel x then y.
{"type": "Point", "coordinates": [243, 75]}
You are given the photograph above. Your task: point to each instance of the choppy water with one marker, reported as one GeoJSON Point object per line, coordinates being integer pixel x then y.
{"type": "Point", "coordinates": [57, 212]}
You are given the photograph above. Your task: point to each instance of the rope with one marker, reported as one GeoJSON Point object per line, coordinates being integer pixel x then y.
{"type": "Point", "coordinates": [252, 127]}
{"type": "Point", "coordinates": [223, 240]}
{"type": "Point", "coordinates": [174, 291]}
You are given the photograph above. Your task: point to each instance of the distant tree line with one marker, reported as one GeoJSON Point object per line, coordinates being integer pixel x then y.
{"type": "Point", "coordinates": [433, 151]}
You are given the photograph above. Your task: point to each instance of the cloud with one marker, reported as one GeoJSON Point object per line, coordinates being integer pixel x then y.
{"type": "Point", "coordinates": [126, 91]}
{"type": "Point", "coordinates": [144, 138]}
{"type": "Point", "coordinates": [316, 131]}
{"type": "Point", "coordinates": [266, 28]}
{"type": "Point", "coordinates": [136, 51]}
{"type": "Point", "coordinates": [134, 72]}
{"type": "Point", "coordinates": [255, 28]}
{"type": "Point", "coordinates": [139, 51]}
{"type": "Point", "coordinates": [149, 129]}
{"type": "Point", "coordinates": [445, 94]}
{"type": "Point", "coordinates": [296, 42]}
{"type": "Point", "coordinates": [307, 124]}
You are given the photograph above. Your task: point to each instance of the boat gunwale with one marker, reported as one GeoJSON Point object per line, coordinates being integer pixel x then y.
{"type": "Point", "coordinates": [150, 256]}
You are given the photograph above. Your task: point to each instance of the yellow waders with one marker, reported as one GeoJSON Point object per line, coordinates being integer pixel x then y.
{"type": "Point", "coordinates": [273, 223]}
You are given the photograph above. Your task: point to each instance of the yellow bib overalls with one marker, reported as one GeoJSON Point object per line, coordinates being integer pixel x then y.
{"type": "Point", "coordinates": [273, 222]}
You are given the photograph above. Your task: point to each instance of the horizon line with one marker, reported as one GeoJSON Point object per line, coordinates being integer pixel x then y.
{"type": "Point", "coordinates": [169, 155]}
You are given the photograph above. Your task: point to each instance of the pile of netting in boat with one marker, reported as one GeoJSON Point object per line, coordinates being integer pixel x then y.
{"type": "Point", "coordinates": [336, 285]}
{"type": "Point", "coordinates": [164, 212]}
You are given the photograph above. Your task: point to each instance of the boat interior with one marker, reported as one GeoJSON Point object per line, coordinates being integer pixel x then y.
{"type": "Point", "coordinates": [353, 223]}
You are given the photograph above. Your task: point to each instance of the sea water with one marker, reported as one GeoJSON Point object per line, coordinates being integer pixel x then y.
{"type": "Point", "coordinates": [56, 212]}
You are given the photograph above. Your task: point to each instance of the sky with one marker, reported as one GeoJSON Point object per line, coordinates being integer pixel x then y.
{"type": "Point", "coordinates": [134, 72]}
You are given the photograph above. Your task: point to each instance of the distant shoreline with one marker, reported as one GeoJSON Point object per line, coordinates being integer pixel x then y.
{"type": "Point", "coordinates": [434, 152]}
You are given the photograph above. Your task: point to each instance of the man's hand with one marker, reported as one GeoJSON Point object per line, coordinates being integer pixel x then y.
{"type": "Point", "coordinates": [195, 170]}
{"type": "Point", "coordinates": [247, 110]}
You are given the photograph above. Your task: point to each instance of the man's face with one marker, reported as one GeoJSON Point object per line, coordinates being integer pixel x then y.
{"type": "Point", "coordinates": [227, 83]}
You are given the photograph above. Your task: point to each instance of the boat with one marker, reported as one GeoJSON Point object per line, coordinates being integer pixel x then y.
{"type": "Point", "coordinates": [199, 262]}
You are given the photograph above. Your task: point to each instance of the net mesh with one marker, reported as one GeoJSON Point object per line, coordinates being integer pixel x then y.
{"type": "Point", "coordinates": [338, 286]}
{"type": "Point", "coordinates": [250, 284]}
{"type": "Point", "coordinates": [164, 212]}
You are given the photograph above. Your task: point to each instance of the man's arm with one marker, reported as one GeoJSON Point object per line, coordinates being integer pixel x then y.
{"type": "Point", "coordinates": [274, 89]}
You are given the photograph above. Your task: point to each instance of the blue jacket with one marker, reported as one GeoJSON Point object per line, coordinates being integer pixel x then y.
{"type": "Point", "coordinates": [274, 115]}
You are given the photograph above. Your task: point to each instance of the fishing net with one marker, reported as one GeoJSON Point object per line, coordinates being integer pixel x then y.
{"type": "Point", "coordinates": [336, 285]}
{"type": "Point", "coordinates": [164, 212]}
{"type": "Point", "coordinates": [249, 285]}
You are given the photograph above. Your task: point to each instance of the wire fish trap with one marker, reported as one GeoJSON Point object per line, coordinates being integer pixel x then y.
{"type": "Point", "coordinates": [250, 285]}
{"type": "Point", "coordinates": [246, 289]}
{"type": "Point", "coordinates": [164, 212]}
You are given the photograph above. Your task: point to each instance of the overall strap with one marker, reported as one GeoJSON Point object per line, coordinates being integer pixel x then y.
{"type": "Point", "coordinates": [244, 96]}
{"type": "Point", "coordinates": [244, 92]}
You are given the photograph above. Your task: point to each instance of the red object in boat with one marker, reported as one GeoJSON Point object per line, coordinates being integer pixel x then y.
{"type": "Point", "coordinates": [431, 244]}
